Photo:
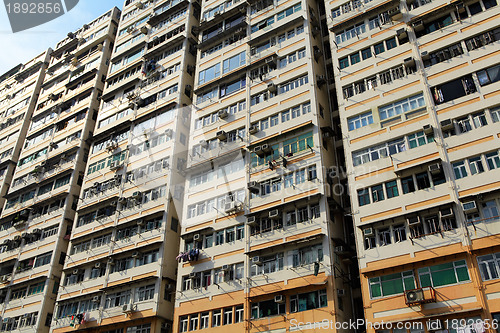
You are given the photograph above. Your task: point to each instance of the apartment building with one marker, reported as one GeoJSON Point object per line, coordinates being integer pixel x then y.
{"type": "Point", "coordinates": [20, 88]}
{"type": "Point", "coordinates": [263, 242]}
{"type": "Point", "coordinates": [121, 270]}
{"type": "Point", "coordinates": [418, 101]}
{"type": "Point", "coordinates": [40, 203]}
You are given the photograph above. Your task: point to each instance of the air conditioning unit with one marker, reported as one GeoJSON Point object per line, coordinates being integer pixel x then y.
{"type": "Point", "coordinates": [231, 207]}
{"type": "Point", "coordinates": [395, 14]}
{"type": "Point", "coordinates": [434, 325]}
{"type": "Point", "coordinates": [340, 292]}
{"type": "Point", "coordinates": [367, 232]}
{"type": "Point", "coordinates": [193, 275]}
{"type": "Point", "coordinates": [52, 96]}
{"type": "Point", "coordinates": [122, 200]}
{"type": "Point", "coordinates": [279, 299]}
{"type": "Point", "coordinates": [97, 265]}
{"type": "Point", "coordinates": [196, 237]}
{"type": "Point", "coordinates": [136, 254]}
{"type": "Point", "coordinates": [401, 33]}
{"type": "Point", "coordinates": [169, 132]}
{"type": "Point", "coordinates": [128, 308]}
{"type": "Point", "coordinates": [271, 87]}
{"type": "Point", "coordinates": [226, 268]}
{"type": "Point", "coordinates": [130, 29]}
{"type": "Point", "coordinates": [446, 212]}
{"type": "Point", "coordinates": [217, 13]}
{"type": "Point", "coordinates": [111, 145]}
{"type": "Point", "coordinates": [414, 220]}
{"type": "Point", "coordinates": [144, 30]}
{"type": "Point", "coordinates": [251, 220]}
{"type": "Point", "coordinates": [418, 25]}
{"type": "Point", "coordinates": [37, 231]}
{"type": "Point", "coordinates": [274, 214]}
{"type": "Point", "coordinates": [469, 207]}
{"type": "Point", "coordinates": [223, 114]}
{"type": "Point", "coordinates": [253, 129]}
{"type": "Point", "coordinates": [139, 5]}
{"type": "Point", "coordinates": [115, 165]}
{"type": "Point", "coordinates": [137, 195]}
{"type": "Point", "coordinates": [434, 168]}
{"type": "Point", "coordinates": [221, 135]}
{"type": "Point", "coordinates": [76, 271]}
{"type": "Point", "coordinates": [446, 124]}
{"type": "Point", "coordinates": [140, 222]}
{"type": "Point", "coordinates": [266, 148]}
{"type": "Point", "coordinates": [428, 129]}
{"type": "Point", "coordinates": [256, 260]}
{"type": "Point", "coordinates": [414, 296]}
{"type": "Point", "coordinates": [96, 299]}
{"type": "Point", "coordinates": [253, 187]}
{"type": "Point", "coordinates": [111, 261]}
{"type": "Point", "coordinates": [339, 249]}
{"type": "Point", "coordinates": [258, 151]}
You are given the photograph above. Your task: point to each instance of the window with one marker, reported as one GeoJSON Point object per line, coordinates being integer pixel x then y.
{"type": "Point", "coordinates": [205, 316]}
{"type": "Point", "coordinates": [490, 210]}
{"type": "Point", "coordinates": [307, 255]}
{"type": "Point", "coordinates": [489, 75]}
{"type": "Point", "coordinates": [489, 266]}
{"type": "Point", "coordinates": [423, 180]}
{"type": "Point", "coordinates": [366, 53]}
{"type": "Point", "coordinates": [311, 172]}
{"type": "Point", "coordinates": [233, 62]}
{"type": "Point", "coordinates": [391, 284]}
{"type": "Point", "coordinates": [355, 58]}
{"type": "Point", "coordinates": [444, 274]}
{"type": "Point", "coordinates": [308, 301]}
{"type": "Point", "coordinates": [239, 312]}
{"type": "Point", "coordinates": [209, 74]}
{"type": "Point", "coordinates": [493, 160]}
{"type": "Point", "coordinates": [401, 106]}
{"type": "Point", "coordinates": [459, 170]}
{"type": "Point", "coordinates": [343, 63]}
{"type": "Point", "coordinates": [361, 120]}
{"type": "Point", "coordinates": [399, 232]}
{"type": "Point", "coordinates": [43, 259]}
{"type": "Point", "coordinates": [145, 292]}
{"type": "Point", "coordinates": [419, 139]}
{"type": "Point", "coordinates": [391, 43]}
{"type": "Point", "coordinates": [408, 184]}
{"type": "Point", "coordinates": [391, 189]}
{"type": "Point", "coordinates": [379, 48]}
{"type": "Point", "coordinates": [228, 316]}
{"type": "Point", "coordinates": [216, 318]}
{"type": "Point", "coordinates": [363, 197]}
{"type": "Point", "coordinates": [377, 193]}
{"type": "Point", "coordinates": [476, 165]}
{"type": "Point", "coordinates": [495, 114]}
{"type": "Point", "coordinates": [266, 309]}
{"type": "Point", "coordinates": [193, 322]}
{"type": "Point", "coordinates": [384, 236]}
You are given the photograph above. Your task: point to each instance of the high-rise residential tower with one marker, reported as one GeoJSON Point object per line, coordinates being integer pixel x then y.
{"type": "Point", "coordinates": [121, 270]}
{"type": "Point", "coordinates": [43, 195]}
{"type": "Point", "coordinates": [263, 245]}
{"type": "Point", "coordinates": [417, 85]}
{"type": "Point", "coordinates": [19, 91]}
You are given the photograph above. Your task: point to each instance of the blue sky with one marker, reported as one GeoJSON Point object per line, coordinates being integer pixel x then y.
{"type": "Point", "coordinates": [22, 46]}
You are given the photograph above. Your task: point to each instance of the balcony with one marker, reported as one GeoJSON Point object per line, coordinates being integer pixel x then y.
{"type": "Point", "coordinates": [223, 32]}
